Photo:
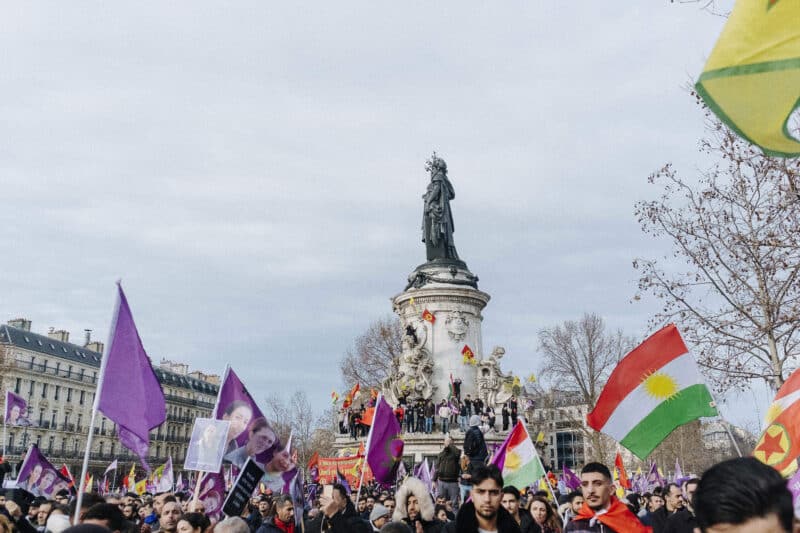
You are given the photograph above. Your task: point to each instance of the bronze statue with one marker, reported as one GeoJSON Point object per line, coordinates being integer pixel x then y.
{"type": "Point", "coordinates": [437, 218]}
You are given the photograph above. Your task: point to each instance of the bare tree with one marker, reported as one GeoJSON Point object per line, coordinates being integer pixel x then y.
{"type": "Point", "coordinates": [370, 360]}
{"type": "Point", "coordinates": [730, 281]}
{"type": "Point", "coordinates": [295, 416]}
{"type": "Point", "coordinates": [578, 358]}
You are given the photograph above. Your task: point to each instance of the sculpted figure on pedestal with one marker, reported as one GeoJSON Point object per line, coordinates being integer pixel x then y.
{"type": "Point", "coordinates": [437, 218]}
{"type": "Point", "coordinates": [413, 368]}
{"type": "Point", "coordinates": [494, 387]}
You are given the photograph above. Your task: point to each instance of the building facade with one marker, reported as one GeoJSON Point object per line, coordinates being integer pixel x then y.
{"type": "Point", "coordinates": [59, 379]}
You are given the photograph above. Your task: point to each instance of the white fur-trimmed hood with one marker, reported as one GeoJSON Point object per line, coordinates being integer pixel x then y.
{"type": "Point", "coordinates": [415, 487]}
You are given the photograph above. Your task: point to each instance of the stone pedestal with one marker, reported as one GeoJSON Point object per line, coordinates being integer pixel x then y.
{"type": "Point", "coordinates": [448, 291]}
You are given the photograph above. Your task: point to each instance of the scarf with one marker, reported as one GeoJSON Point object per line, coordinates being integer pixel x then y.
{"type": "Point", "coordinates": [287, 527]}
{"type": "Point", "coordinates": [617, 517]}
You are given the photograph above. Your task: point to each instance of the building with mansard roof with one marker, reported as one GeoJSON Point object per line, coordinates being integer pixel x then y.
{"type": "Point", "coordinates": [59, 378]}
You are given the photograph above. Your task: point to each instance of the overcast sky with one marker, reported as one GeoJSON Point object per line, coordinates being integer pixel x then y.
{"type": "Point", "coordinates": [253, 171]}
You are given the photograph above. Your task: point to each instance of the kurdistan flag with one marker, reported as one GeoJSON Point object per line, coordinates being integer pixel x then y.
{"type": "Point", "coordinates": [752, 78]}
{"type": "Point", "coordinates": [652, 390]}
{"type": "Point", "coordinates": [517, 459]}
{"type": "Point", "coordinates": [779, 445]}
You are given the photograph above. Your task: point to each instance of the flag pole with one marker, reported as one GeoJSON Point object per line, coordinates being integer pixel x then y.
{"type": "Point", "coordinates": [366, 448]}
{"type": "Point", "coordinates": [724, 422]}
{"type": "Point", "coordinates": [95, 404]}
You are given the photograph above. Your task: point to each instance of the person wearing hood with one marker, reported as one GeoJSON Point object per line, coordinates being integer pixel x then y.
{"type": "Point", "coordinates": [415, 507]}
{"type": "Point", "coordinates": [484, 512]}
{"type": "Point", "coordinates": [474, 443]}
{"type": "Point", "coordinates": [379, 516]}
{"type": "Point", "coordinates": [340, 513]}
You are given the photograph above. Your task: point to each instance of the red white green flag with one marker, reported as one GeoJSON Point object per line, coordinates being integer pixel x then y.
{"type": "Point", "coordinates": [653, 390]}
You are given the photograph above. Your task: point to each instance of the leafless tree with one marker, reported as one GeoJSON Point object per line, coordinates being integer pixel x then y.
{"type": "Point", "coordinates": [578, 356]}
{"type": "Point", "coordinates": [295, 416]}
{"type": "Point", "coordinates": [730, 281]}
{"type": "Point", "coordinates": [370, 360]}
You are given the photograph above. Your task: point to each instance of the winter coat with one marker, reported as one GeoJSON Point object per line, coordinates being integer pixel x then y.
{"type": "Point", "coordinates": [413, 486]}
{"type": "Point", "coordinates": [346, 521]}
{"type": "Point", "coordinates": [447, 464]}
{"type": "Point", "coordinates": [467, 522]}
{"type": "Point", "coordinates": [475, 445]}
{"type": "Point", "coordinates": [268, 526]}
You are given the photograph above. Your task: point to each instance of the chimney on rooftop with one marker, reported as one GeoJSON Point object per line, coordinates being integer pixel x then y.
{"type": "Point", "coordinates": [59, 335]}
{"type": "Point", "coordinates": [20, 323]}
{"type": "Point", "coordinates": [88, 338]}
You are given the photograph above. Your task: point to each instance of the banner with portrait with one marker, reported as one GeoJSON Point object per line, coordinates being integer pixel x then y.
{"type": "Point", "coordinates": [16, 413]}
{"type": "Point", "coordinates": [38, 476]}
{"type": "Point", "coordinates": [207, 445]}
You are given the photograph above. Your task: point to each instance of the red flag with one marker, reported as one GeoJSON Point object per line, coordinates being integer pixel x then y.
{"type": "Point", "coordinates": [348, 399]}
{"type": "Point", "coordinates": [313, 461]}
{"type": "Point", "coordinates": [66, 473]}
{"type": "Point", "coordinates": [469, 355]}
{"type": "Point", "coordinates": [623, 475]}
{"type": "Point", "coordinates": [369, 414]}
{"type": "Point", "coordinates": [427, 316]}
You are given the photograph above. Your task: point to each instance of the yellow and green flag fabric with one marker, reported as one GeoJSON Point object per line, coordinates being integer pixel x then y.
{"type": "Point", "coordinates": [752, 78]}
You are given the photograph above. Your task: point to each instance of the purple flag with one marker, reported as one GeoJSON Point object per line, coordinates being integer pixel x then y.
{"type": "Point", "coordinates": [212, 493]}
{"type": "Point", "coordinates": [38, 476]}
{"type": "Point", "coordinates": [16, 410]}
{"type": "Point", "coordinates": [298, 499]}
{"type": "Point", "coordinates": [341, 480]}
{"type": "Point", "coordinates": [401, 471]}
{"type": "Point", "coordinates": [425, 475]}
{"type": "Point", "coordinates": [794, 487]}
{"type": "Point", "coordinates": [249, 434]}
{"type": "Point", "coordinates": [654, 479]}
{"type": "Point", "coordinates": [384, 447]}
{"type": "Point", "coordinates": [131, 395]}
{"type": "Point", "coordinates": [571, 480]}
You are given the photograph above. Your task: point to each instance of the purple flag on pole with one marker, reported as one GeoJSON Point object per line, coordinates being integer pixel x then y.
{"type": "Point", "coordinates": [384, 447]}
{"type": "Point", "coordinates": [236, 405]}
{"type": "Point", "coordinates": [401, 471]}
{"type": "Point", "coordinates": [298, 497]}
{"type": "Point", "coordinates": [212, 493]}
{"type": "Point", "coordinates": [425, 475]}
{"type": "Point", "coordinates": [571, 479]}
{"type": "Point", "coordinates": [131, 395]}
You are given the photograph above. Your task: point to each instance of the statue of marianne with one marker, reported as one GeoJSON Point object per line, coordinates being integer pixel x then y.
{"type": "Point", "coordinates": [437, 218]}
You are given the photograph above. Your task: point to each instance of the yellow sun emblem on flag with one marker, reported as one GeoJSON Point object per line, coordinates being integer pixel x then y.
{"type": "Point", "coordinates": [513, 461]}
{"type": "Point", "coordinates": [661, 385]}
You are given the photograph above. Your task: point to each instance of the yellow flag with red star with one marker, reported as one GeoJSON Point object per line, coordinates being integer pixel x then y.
{"type": "Point", "coordinates": [467, 354]}
{"type": "Point", "coordinates": [779, 445]}
{"type": "Point", "coordinates": [427, 316]}
{"type": "Point", "coordinates": [752, 78]}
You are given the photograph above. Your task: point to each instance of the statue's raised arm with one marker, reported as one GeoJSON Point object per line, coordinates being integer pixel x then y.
{"type": "Point", "coordinates": [437, 218]}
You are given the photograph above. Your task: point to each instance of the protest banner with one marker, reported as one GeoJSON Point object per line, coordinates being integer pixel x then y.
{"type": "Point", "coordinates": [207, 445]}
{"type": "Point", "coordinates": [243, 488]}
{"type": "Point", "coordinates": [38, 476]}
{"type": "Point", "coordinates": [349, 467]}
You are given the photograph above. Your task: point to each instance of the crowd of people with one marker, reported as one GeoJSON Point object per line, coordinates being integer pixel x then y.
{"type": "Point", "coordinates": [738, 495]}
{"type": "Point", "coordinates": [425, 416]}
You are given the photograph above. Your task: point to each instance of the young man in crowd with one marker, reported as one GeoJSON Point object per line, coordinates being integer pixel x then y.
{"type": "Point", "coordinates": [602, 512]}
{"type": "Point", "coordinates": [673, 503]}
{"type": "Point", "coordinates": [484, 512]}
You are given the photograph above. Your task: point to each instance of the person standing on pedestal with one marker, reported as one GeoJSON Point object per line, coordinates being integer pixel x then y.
{"type": "Point", "coordinates": [430, 412]}
{"type": "Point", "coordinates": [513, 408]}
{"type": "Point", "coordinates": [463, 416]}
{"type": "Point", "coordinates": [468, 404]}
{"type": "Point", "coordinates": [411, 413]}
{"type": "Point", "coordinates": [506, 414]}
{"type": "Point", "coordinates": [444, 415]}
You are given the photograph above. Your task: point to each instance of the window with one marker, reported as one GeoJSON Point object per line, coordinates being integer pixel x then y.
{"type": "Point", "coordinates": [18, 385]}
{"type": "Point", "coordinates": [83, 396]}
{"type": "Point", "coordinates": [50, 442]}
{"type": "Point", "coordinates": [10, 440]}
{"type": "Point", "coordinates": [81, 374]}
{"type": "Point", "coordinates": [38, 441]}
{"type": "Point", "coordinates": [75, 445]}
{"type": "Point", "coordinates": [30, 389]}
{"type": "Point", "coordinates": [57, 392]}
{"type": "Point", "coordinates": [53, 416]}
{"type": "Point", "coordinates": [58, 369]}
{"type": "Point", "coordinates": [44, 366]}
{"type": "Point", "coordinates": [63, 445]}
{"type": "Point", "coordinates": [69, 394]}
{"type": "Point", "coordinates": [94, 377]}
{"type": "Point", "coordinates": [44, 390]}
{"type": "Point", "coordinates": [102, 445]}
{"type": "Point", "coordinates": [69, 371]}
{"type": "Point", "coordinates": [66, 420]}
{"type": "Point", "coordinates": [80, 417]}
{"type": "Point", "coordinates": [103, 424]}
{"type": "Point", "coordinates": [41, 417]}
{"type": "Point", "coordinates": [32, 361]}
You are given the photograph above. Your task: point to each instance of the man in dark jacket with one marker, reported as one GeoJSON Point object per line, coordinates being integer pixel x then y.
{"type": "Point", "coordinates": [673, 503]}
{"type": "Point", "coordinates": [510, 503]}
{"type": "Point", "coordinates": [340, 513]}
{"type": "Point", "coordinates": [283, 519]}
{"type": "Point", "coordinates": [484, 511]}
{"type": "Point", "coordinates": [684, 521]}
{"type": "Point", "coordinates": [474, 443]}
{"type": "Point", "coordinates": [447, 471]}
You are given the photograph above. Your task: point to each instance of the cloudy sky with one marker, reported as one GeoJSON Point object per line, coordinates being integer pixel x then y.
{"type": "Point", "coordinates": [252, 171]}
